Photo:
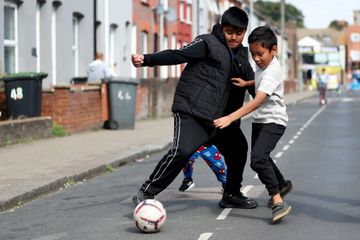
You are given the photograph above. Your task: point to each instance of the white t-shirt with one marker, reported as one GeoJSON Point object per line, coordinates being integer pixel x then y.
{"type": "Point", "coordinates": [268, 80]}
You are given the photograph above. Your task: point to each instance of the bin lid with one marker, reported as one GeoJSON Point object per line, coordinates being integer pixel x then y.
{"type": "Point", "coordinates": [24, 75]}
{"type": "Point", "coordinates": [121, 80]}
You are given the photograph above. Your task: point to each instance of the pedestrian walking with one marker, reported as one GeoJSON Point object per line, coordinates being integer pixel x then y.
{"type": "Point", "coordinates": [323, 79]}
{"type": "Point", "coordinates": [98, 69]}
{"type": "Point", "coordinates": [269, 118]}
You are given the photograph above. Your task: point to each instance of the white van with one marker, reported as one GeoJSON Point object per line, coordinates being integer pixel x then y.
{"type": "Point", "coordinates": [333, 82]}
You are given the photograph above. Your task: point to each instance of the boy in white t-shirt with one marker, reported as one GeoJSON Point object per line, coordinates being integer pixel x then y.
{"type": "Point", "coordinates": [269, 118]}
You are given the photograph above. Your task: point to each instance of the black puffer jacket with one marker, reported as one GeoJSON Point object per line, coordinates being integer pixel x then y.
{"type": "Point", "coordinates": [204, 86]}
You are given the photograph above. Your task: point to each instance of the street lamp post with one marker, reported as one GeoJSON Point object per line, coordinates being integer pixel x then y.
{"type": "Point", "coordinates": [251, 13]}
{"type": "Point", "coordinates": [282, 26]}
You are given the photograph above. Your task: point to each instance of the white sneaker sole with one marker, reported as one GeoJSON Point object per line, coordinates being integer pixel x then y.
{"type": "Point", "coordinates": [281, 215]}
{"type": "Point", "coordinates": [190, 187]}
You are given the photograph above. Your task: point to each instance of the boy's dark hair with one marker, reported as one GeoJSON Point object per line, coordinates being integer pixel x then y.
{"type": "Point", "coordinates": [263, 35]}
{"type": "Point", "coordinates": [235, 17]}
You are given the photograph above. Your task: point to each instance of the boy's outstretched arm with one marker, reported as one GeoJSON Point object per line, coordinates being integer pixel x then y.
{"type": "Point", "coordinates": [252, 105]}
{"type": "Point", "coordinates": [194, 51]}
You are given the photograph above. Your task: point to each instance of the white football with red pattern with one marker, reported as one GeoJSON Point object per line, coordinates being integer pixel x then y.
{"type": "Point", "coordinates": [149, 215]}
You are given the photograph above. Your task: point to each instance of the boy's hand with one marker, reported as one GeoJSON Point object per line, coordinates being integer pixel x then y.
{"type": "Point", "coordinates": [222, 122]}
{"type": "Point", "coordinates": [238, 82]}
{"type": "Point", "coordinates": [137, 60]}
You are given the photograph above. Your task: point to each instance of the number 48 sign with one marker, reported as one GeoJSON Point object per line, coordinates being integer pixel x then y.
{"type": "Point", "coordinates": [17, 93]}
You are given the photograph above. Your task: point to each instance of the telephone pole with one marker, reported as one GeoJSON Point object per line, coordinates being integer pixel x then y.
{"type": "Point", "coordinates": [282, 26]}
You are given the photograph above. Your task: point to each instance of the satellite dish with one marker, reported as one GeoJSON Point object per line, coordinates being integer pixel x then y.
{"type": "Point", "coordinates": [171, 14]}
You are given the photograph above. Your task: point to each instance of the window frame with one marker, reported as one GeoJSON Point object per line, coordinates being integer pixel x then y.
{"type": "Point", "coordinates": [144, 46]}
{"type": "Point", "coordinates": [75, 44]}
{"type": "Point", "coordinates": [181, 11]}
{"type": "Point", "coordinates": [8, 43]}
{"type": "Point", "coordinates": [188, 14]}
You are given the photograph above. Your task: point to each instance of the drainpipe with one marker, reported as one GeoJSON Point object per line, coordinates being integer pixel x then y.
{"type": "Point", "coordinates": [95, 23]}
{"type": "Point", "coordinates": [106, 31]}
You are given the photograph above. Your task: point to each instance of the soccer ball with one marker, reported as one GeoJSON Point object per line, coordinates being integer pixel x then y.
{"type": "Point", "coordinates": [149, 215]}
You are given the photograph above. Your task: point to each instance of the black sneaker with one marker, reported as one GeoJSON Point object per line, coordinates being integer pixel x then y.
{"type": "Point", "coordinates": [279, 211]}
{"type": "Point", "coordinates": [237, 201]}
{"type": "Point", "coordinates": [186, 185]}
{"type": "Point", "coordinates": [283, 192]}
{"type": "Point", "coordinates": [141, 196]}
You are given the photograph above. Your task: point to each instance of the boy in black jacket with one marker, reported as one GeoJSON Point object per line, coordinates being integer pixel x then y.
{"type": "Point", "coordinates": [201, 96]}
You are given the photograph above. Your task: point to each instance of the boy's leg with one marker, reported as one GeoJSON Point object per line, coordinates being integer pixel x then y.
{"type": "Point", "coordinates": [264, 139]}
{"type": "Point", "coordinates": [188, 182]}
{"type": "Point", "coordinates": [189, 135]}
{"type": "Point", "coordinates": [188, 169]}
{"type": "Point", "coordinates": [280, 178]}
{"type": "Point", "coordinates": [215, 161]}
{"type": "Point", "coordinates": [233, 146]}
{"type": "Point", "coordinates": [285, 186]}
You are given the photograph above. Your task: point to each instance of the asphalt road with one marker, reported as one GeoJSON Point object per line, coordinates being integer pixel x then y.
{"type": "Point", "coordinates": [319, 153]}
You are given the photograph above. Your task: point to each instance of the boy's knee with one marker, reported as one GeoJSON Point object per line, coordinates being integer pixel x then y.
{"type": "Point", "coordinates": [257, 162]}
{"type": "Point", "coordinates": [185, 153]}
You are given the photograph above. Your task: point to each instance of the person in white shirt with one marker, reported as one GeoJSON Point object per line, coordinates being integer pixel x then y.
{"type": "Point", "coordinates": [323, 79]}
{"type": "Point", "coordinates": [98, 69]}
{"type": "Point", "coordinates": [269, 118]}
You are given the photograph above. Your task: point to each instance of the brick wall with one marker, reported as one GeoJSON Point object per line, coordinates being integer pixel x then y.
{"type": "Point", "coordinates": [155, 97]}
{"type": "Point", "coordinates": [290, 86]}
{"type": "Point", "coordinates": [77, 108]}
{"type": "Point", "coordinates": [24, 130]}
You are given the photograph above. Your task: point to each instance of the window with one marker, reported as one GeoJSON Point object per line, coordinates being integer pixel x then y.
{"type": "Point", "coordinates": [10, 37]}
{"type": "Point", "coordinates": [75, 45]}
{"type": "Point", "coordinates": [173, 46]}
{"type": "Point", "coordinates": [188, 13]}
{"type": "Point", "coordinates": [181, 11]}
{"type": "Point", "coordinates": [144, 41]}
{"type": "Point", "coordinates": [53, 44]}
{"type": "Point", "coordinates": [164, 69]}
{"type": "Point", "coordinates": [355, 55]}
{"type": "Point", "coordinates": [355, 37]}
{"type": "Point", "coordinates": [178, 66]}
{"type": "Point", "coordinates": [165, 4]}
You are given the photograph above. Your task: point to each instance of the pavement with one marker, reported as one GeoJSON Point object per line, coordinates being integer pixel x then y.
{"type": "Point", "coordinates": [31, 170]}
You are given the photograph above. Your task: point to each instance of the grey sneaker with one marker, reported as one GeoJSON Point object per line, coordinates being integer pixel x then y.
{"type": "Point", "coordinates": [283, 192]}
{"type": "Point", "coordinates": [141, 196]}
{"type": "Point", "coordinates": [279, 211]}
{"type": "Point", "coordinates": [186, 185]}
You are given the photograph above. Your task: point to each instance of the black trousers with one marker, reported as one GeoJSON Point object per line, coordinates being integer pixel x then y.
{"type": "Point", "coordinates": [264, 138]}
{"type": "Point", "coordinates": [233, 145]}
{"type": "Point", "coordinates": [189, 135]}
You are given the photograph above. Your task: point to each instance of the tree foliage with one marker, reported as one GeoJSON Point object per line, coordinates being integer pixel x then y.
{"type": "Point", "coordinates": [272, 10]}
{"type": "Point", "coordinates": [338, 24]}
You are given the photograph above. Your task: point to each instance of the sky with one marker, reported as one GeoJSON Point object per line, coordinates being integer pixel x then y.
{"type": "Point", "coordinates": [319, 13]}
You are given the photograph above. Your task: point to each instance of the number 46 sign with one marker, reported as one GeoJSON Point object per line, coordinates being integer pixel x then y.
{"type": "Point", "coordinates": [124, 96]}
{"type": "Point", "coordinates": [16, 93]}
